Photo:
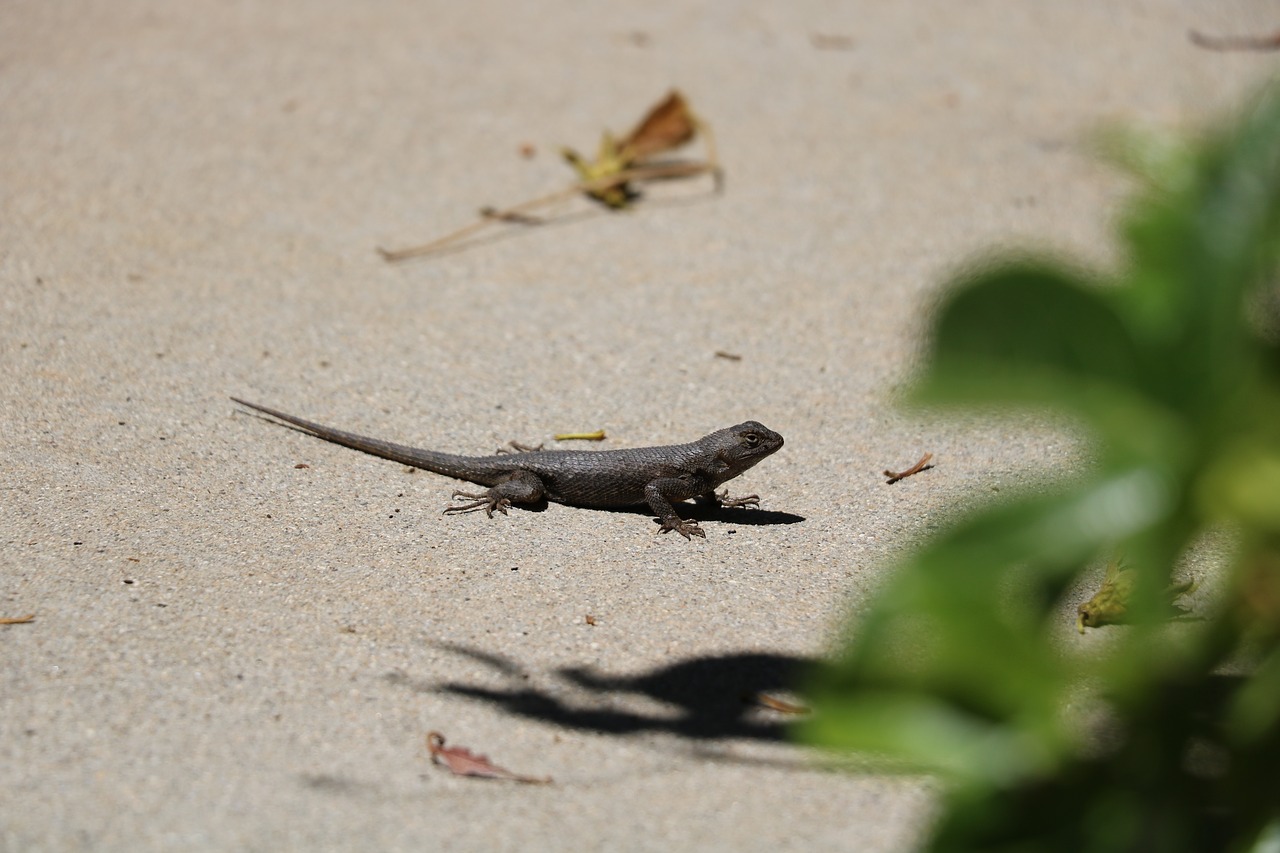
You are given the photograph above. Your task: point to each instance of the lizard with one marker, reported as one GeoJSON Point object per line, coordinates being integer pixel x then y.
{"type": "Point", "coordinates": [599, 479]}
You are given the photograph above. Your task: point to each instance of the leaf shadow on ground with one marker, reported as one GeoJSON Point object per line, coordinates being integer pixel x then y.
{"type": "Point", "coordinates": [707, 697]}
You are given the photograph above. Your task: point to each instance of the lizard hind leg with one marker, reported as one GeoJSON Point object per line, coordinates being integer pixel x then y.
{"type": "Point", "coordinates": [486, 502]}
{"type": "Point", "coordinates": [521, 488]}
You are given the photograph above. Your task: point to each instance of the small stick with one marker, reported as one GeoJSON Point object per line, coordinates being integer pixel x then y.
{"type": "Point", "coordinates": [489, 217]}
{"type": "Point", "coordinates": [1271, 42]}
{"type": "Point", "coordinates": [509, 216]}
{"type": "Point", "coordinates": [517, 213]}
{"type": "Point", "coordinates": [922, 465]}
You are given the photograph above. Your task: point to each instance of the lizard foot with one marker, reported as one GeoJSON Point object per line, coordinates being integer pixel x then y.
{"type": "Point", "coordinates": [517, 447]}
{"type": "Point", "coordinates": [745, 501]}
{"type": "Point", "coordinates": [486, 502]}
{"type": "Point", "coordinates": [687, 529]}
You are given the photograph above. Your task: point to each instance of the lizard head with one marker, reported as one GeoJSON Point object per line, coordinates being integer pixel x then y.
{"type": "Point", "coordinates": [747, 443]}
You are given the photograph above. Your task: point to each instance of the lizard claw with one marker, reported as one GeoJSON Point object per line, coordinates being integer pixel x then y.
{"type": "Point", "coordinates": [517, 447]}
{"type": "Point", "coordinates": [745, 501]}
{"type": "Point", "coordinates": [687, 529]}
{"type": "Point", "coordinates": [485, 502]}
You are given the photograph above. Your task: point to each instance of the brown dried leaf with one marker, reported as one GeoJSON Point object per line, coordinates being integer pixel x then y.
{"type": "Point", "coordinates": [782, 706]}
{"type": "Point", "coordinates": [922, 465]}
{"type": "Point", "coordinates": [18, 620]}
{"type": "Point", "coordinates": [607, 179]}
{"type": "Point", "coordinates": [463, 762]}
{"type": "Point", "coordinates": [668, 125]}
{"type": "Point", "coordinates": [1261, 43]}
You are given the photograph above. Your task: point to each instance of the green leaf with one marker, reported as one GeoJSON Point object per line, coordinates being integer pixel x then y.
{"type": "Point", "coordinates": [1025, 333]}
{"type": "Point", "coordinates": [958, 665]}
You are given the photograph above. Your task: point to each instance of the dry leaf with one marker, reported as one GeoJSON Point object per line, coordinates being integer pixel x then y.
{"type": "Point", "coordinates": [463, 762]}
{"type": "Point", "coordinates": [1263, 43]}
{"type": "Point", "coordinates": [17, 620]}
{"type": "Point", "coordinates": [598, 435]}
{"type": "Point", "coordinates": [591, 620]}
{"type": "Point", "coordinates": [609, 178]}
{"type": "Point", "coordinates": [782, 706]}
{"type": "Point", "coordinates": [1110, 605]}
{"type": "Point", "coordinates": [668, 125]}
{"type": "Point", "coordinates": [922, 465]}
{"type": "Point", "coordinates": [825, 41]}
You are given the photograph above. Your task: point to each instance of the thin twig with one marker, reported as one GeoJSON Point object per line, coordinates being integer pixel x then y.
{"type": "Point", "coordinates": [922, 465]}
{"type": "Point", "coordinates": [509, 216]}
{"type": "Point", "coordinates": [1271, 42]}
{"type": "Point", "coordinates": [490, 218]}
{"type": "Point", "coordinates": [517, 213]}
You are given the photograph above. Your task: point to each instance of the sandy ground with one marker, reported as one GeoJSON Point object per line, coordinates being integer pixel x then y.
{"type": "Point", "coordinates": [242, 635]}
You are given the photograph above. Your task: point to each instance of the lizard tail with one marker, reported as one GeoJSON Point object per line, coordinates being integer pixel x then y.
{"type": "Point", "coordinates": [440, 463]}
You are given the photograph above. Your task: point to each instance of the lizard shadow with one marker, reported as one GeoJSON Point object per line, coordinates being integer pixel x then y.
{"type": "Point", "coordinates": [724, 515]}
{"type": "Point", "coordinates": [706, 697]}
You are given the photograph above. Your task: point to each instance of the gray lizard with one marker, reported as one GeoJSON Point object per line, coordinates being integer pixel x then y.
{"type": "Point", "coordinates": [657, 476]}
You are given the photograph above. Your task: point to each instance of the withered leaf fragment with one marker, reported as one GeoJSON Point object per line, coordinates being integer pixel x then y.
{"type": "Point", "coordinates": [922, 465]}
{"type": "Point", "coordinates": [598, 435]}
{"type": "Point", "coordinates": [776, 703]}
{"type": "Point", "coordinates": [668, 125]}
{"type": "Point", "coordinates": [463, 762]}
{"type": "Point", "coordinates": [1110, 605]}
{"type": "Point", "coordinates": [609, 179]}
{"type": "Point", "coordinates": [18, 620]}
{"type": "Point", "coordinates": [1208, 42]}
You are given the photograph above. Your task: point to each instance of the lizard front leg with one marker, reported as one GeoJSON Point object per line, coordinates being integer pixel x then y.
{"type": "Point", "coordinates": [659, 494]}
{"type": "Point", "coordinates": [521, 487]}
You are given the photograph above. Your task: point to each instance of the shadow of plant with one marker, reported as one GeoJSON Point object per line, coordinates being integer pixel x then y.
{"type": "Point", "coordinates": [705, 697]}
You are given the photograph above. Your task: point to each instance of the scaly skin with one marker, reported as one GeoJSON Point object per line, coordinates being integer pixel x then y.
{"type": "Point", "coordinates": [657, 476]}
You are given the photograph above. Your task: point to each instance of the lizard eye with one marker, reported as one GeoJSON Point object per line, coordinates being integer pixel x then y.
{"type": "Point", "coordinates": [750, 439]}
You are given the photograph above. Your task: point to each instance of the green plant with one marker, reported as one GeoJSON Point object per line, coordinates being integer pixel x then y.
{"type": "Point", "coordinates": [961, 666]}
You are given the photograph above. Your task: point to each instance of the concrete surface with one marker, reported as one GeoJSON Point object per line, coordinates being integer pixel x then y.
{"type": "Point", "coordinates": [232, 652]}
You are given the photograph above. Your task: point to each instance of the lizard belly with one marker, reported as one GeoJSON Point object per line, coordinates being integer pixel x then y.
{"type": "Point", "coordinates": [588, 489]}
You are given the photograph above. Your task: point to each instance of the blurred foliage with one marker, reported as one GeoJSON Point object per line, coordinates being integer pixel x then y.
{"type": "Point", "coordinates": [1163, 736]}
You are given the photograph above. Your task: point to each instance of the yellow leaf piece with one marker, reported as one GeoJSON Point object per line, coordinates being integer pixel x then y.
{"type": "Point", "coordinates": [1110, 605]}
{"type": "Point", "coordinates": [598, 435]}
{"type": "Point", "coordinates": [610, 178]}
{"type": "Point", "coordinates": [667, 126]}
